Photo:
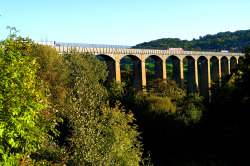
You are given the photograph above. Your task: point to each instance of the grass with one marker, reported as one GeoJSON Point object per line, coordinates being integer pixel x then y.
{"type": "Point", "coordinates": [151, 67]}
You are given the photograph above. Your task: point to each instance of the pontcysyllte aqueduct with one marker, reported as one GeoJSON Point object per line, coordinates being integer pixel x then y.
{"type": "Point", "coordinates": [222, 63]}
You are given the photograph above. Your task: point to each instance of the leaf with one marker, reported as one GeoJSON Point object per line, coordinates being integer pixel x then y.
{"type": "Point", "coordinates": [1, 132]}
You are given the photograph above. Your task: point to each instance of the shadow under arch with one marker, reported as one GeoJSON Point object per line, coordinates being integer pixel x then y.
{"type": "Point", "coordinates": [158, 65]}
{"type": "Point", "coordinates": [192, 86]}
{"type": "Point", "coordinates": [224, 66]}
{"type": "Point", "coordinates": [203, 76]}
{"type": "Point", "coordinates": [175, 69]}
{"type": "Point", "coordinates": [240, 60]}
{"type": "Point", "coordinates": [215, 69]}
{"type": "Point", "coordinates": [233, 63]}
{"type": "Point", "coordinates": [111, 68]}
{"type": "Point", "coordinates": [137, 72]}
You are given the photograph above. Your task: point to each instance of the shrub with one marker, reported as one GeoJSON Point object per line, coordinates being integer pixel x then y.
{"type": "Point", "coordinates": [25, 113]}
{"type": "Point", "coordinates": [161, 104]}
{"type": "Point", "coordinates": [165, 88]}
{"type": "Point", "coordinates": [190, 108]}
{"type": "Point", "coordinates": [92, 133]}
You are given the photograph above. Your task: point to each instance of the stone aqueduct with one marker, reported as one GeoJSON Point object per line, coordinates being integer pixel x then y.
{"type": "Point", "coordinates": [222, 63]}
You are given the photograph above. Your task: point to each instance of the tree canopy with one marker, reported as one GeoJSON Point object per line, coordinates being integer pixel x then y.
{"type": "Point", "coordinates": [232, 41]}
{"type": "Point", "coordinates": [54, 110]}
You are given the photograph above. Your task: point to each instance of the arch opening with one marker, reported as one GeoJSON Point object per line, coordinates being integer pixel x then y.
{"type": "Point", "coordinates": [190, 75]}
{"type": "Point", "coordinates": [224, 66]}
{"type": "Point", "coordinates": [203, 76]}
{"type": "Point", "coordinates": [233, 63]}
{"type": "Point", "coordinates": [240, 60]}
{"type": "Point", "coordinates": [173, 69]}
{"type": "Point", "coordinates": [111, 68]}
{"type": "Point", "coordinates": [131, 71]}
{"type": "Point", "coordinates": [154, 67]}
{"type": "Point", "coordinates": [215, 69]}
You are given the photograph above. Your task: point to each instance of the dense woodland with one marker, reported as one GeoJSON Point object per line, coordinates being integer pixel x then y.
{"type": "Point", "coordinates": [231, 41]}
{"type": "Point", "coordinates": [59, 110]}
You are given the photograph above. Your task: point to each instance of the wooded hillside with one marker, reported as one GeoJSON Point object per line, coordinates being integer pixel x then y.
{"type": "Point", "coordinates": [232, 41]}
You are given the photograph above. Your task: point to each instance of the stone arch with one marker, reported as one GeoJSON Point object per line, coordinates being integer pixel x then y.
{"type": "Point", "coordinates": [224, 66]}
{"type": "Point", "coordinates": [240, 60]}
{"type": "Point", "coordinates": [233, 63]}
{"type": "Point", "coordinates": [132, 56]}
{"type": "Point", "coordinates": [189, 56]}
{"type": "Point", "coordinates": [158, 66]}
{"type": "Point", "coordinates": [111, 67]}
{"type": "Point", "coordinates": [204, 76]}
{"type": "Point", "coordinates": [106, 57]}
{"type": "Point", "coordinates": [215, 68]}
{"type": "Point", "coordinates": [191, 75]}
{"type": "Point", "coordinates": [155, 56]}
{"type": "Point", "coordinates": [137, 71]}
{"type": "Point", "coordinates": [176, 69]}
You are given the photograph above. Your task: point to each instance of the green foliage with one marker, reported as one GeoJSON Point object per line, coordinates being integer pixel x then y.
{"type": "Point", "coordinates": [154, 105]}
{"type": "Point", "coordinates": [53, 72]}
{"type": "Point", "coordinates": [165, 116]}
{"type": "Point", "coordinates": [228, 113]}
{"type": "Point", "coordinates": [92, 133]}
{"type": "Point", "coordinates": [40, 86]}
{"type": "Point", "coordinates": [25, 113]}
{"type": "Point", "coordinates": [150, 66]}
{"type": "Point", "coordinates": [13, 34]}
{"type": "Point", "coordinates": [127, 77]}
{"type": "Point", "coordinates": [101, 135]}
{"type": "Point", "coordinates": [160, 105]}
{"type": "Point", "coordinates": [233, 41]}
{"type": "Point", "coordinates": [50, 153]}
{"type": "Point", "coordinates": [165, 88]}
{"type": "Point", "coordinates": [190, 108]}
{"type": "Point", "coordinates": [150, 75]}
{"type": "Point", "coordinates": [123, 147]}
{"type": "Point", "coordinates": [116, 91]}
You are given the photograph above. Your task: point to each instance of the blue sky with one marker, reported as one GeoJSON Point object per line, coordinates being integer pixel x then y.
{"type": "Point", "coordinates": [121, 22]}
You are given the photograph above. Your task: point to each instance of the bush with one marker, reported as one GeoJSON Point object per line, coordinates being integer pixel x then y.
{"type": "Point", "coordinates": [25, 113]}
{"type": "Point", "coordinates": [190, 108]}
{"type": "Point", "coordinates": [92, 133]}
{"type": "Point", "coordinates": [161, 105]}
{"type": "Point", "coordinates": [165, 88]}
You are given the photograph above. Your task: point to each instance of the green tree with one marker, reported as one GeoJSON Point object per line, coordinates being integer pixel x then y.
{"type": "Point", "coordinates": [165, 88]}
{"type": "Point", "coordinates": [227, 114]}
{"type": "Point", "coordinates": [25, 113]}
{"type": "Point", "coordinates": [190, 108]}
{"type": "Point", "coordinates": [101, 135]}
{"type": "Point", "coordinates": [92, 132]}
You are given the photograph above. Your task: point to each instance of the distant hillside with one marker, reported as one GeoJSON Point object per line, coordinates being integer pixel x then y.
{"type": "Point", "coordinates": [232, 41]}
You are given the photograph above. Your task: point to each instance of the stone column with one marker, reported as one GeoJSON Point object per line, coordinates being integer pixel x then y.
{"type": "Point", "coordinates": [196, 74]}
{"type": "Point", "coordinates": [182, 74]}
{"type": "Point", "coordinates": [208, 73]}
{"type": "Point", "coordinates": [219, 61]}
{"type": "Point", "coordinates": [164, 67]}
{"type": "Point", "coordinates": [143, 71]}
{"type": "Point", "coordinates": [117, 68]}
